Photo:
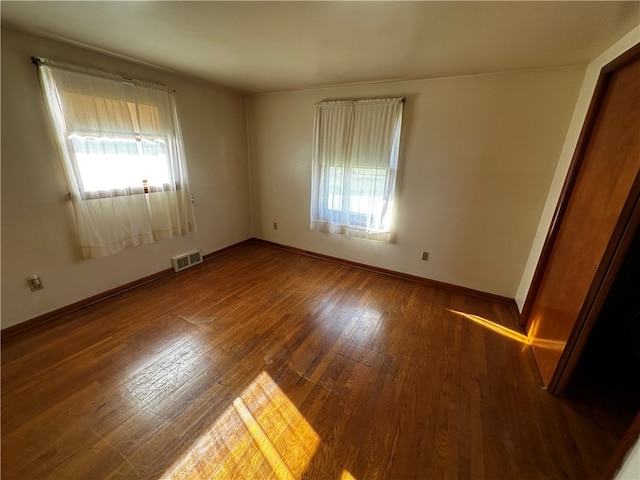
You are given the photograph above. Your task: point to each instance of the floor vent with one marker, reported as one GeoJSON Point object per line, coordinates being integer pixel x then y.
{"type": "Point", "coordinates": [187, 260]}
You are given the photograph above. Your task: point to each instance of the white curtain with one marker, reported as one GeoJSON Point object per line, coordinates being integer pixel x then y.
{"type": "Point", "coordinates": [122, 150]}
{"type": "Point", "coordinates": [355, 160]}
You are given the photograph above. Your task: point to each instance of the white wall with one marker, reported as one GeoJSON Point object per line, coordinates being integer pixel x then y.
{"type": "Point", "coordinates": [630, 469]}
{"type": "Point", "coordinates": [37, 219]}
{"type": "Point", "coordinates": [570, 143]}
{"type": "Point", "coordinates": [478, 154]}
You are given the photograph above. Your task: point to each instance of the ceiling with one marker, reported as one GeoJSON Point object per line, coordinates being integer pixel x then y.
{"type": "Point", "coordinates": [274, 46]}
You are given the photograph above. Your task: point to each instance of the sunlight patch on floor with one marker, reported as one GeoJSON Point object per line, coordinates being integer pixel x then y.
{"type": "Point", "coordinates": [155, 377]}
{"type": "Point", "coordinates": [539, 342]}
{"type": "Point", "coordinates": [368, 321]}
{"type": "Point", "coordinates": [548, 344]}
{"type": "Point", "coordinates": [494, 327]}
{"type": "Point", "coordinates": [261, 435]}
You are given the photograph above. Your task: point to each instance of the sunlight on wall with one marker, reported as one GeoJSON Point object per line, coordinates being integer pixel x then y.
{"type": "Point", "coordinates": [261, 435]}
{"type": "Point", "coordinates": [495, 327]}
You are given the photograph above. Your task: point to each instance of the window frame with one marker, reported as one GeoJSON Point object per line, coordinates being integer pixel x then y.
{"type": "Point", "coordinates": [343, 140]}
{"type": "Point", "coordinates": [85, 104]}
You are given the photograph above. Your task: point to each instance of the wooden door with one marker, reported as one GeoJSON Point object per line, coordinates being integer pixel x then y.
{"type": "Point", "coordinates": [590, 221]}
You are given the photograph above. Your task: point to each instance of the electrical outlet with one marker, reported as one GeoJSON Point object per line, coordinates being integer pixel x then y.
{"type": "Point", "coordinates": [35, 283]}
{"type": "Point", "coordinates": [425, 256]}
{"type": "Point", "coordinates": [275, 225]}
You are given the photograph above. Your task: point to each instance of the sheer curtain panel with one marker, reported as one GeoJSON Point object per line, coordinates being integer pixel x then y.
{"type": "Point", "coordinates": [355, 160]}
{"type": "Point", "coordinates": [122, 152]}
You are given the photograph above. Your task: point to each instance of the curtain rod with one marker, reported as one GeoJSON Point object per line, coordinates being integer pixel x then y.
{"type": "Point", "coordinates": [363, 100]}
{"type": "Point", "coordinates": [46, 62]}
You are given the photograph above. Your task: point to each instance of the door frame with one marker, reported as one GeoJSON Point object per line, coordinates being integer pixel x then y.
{"type": "Point", "coordinates": [615, 251]}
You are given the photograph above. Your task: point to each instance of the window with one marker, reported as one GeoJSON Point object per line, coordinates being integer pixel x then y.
{"type": "Point", "coordinates": [117, 159]}
{"type": "Point", "coordinates": [362, 192]}
{"type": "Point", "coordinates": [122, 152]}
{"type": "Point", "coordinates": [354, 166]}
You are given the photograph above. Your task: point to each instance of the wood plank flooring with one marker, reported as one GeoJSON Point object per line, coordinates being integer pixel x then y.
{"type": "Point", "coordinates": [262, 363]}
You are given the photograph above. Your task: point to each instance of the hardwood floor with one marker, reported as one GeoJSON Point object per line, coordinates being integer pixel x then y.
{"type": "Point", "coordinates": [263, 363]}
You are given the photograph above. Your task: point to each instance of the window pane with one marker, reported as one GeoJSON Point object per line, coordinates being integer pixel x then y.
{"type": "Point", "coordinates": [366, 192]}
{"type": "Point", "coordinates": [363, 189]}
{"type": "Point", "coordinates": [119, 163]}
{"type": "Point", "coordinates": [335, 179]}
